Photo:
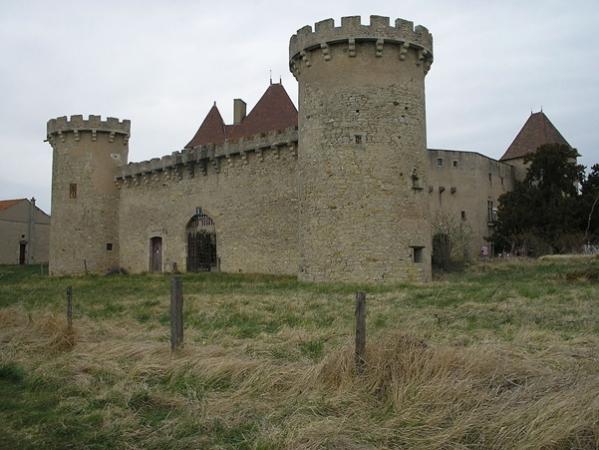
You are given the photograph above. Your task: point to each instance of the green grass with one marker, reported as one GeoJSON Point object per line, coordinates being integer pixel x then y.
{"type": "Point", "coordinates": [256, 368]}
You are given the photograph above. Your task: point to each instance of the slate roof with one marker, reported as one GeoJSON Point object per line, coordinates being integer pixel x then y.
{"type": "Point", "coordinates": [537, 130]}
{"type": "Point", "coordinates": [5, 204]}
{"type": "Point", "coordinates": [274, 111]}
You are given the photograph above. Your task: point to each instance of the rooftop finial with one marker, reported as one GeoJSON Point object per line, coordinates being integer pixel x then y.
{"type": "Point", "coordinates": [214, 103]}
{"type": "Point", "coordinates": [270, 75]}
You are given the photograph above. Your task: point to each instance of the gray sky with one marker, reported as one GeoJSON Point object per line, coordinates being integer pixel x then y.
{"type": "Point", "coordinates": [162, 64]}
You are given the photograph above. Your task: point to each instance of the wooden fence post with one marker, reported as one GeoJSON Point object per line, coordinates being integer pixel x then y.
{"type": "Point", "coordinates": [70, 307]}
{"type": "Point", "coordinates": [176, 313]}
{"type": "Point", "coordinates": [360, 331]}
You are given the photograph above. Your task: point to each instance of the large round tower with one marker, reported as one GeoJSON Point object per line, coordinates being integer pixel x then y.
{"type": "Point", "coordinates": [362, 150]}
{"type": "Point", "coordinates": [87, 155]}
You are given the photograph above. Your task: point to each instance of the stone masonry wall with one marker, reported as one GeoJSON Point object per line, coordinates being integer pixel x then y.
{"type": "Point", "coordinates": [362, 151]}
{"type": "Point", "coordinates": [249, 190]}
{"type": "Point", "coordinates": [460, 185]}
{"type": "Point", "coordinates": [87, 153]}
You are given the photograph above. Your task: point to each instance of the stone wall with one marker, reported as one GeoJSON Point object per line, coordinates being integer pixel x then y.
{"type": "Point", "coordinates": [87, 154]}
{"type": "Point", "coordinates": [461, 185]}
{"type": "Point", "coordinates": [248, 189]}
{"type": "Point", "coordinates": [362, 151]}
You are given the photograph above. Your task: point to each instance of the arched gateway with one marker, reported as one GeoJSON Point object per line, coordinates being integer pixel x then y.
{"type": "Point", "coordinates": [201, 243]}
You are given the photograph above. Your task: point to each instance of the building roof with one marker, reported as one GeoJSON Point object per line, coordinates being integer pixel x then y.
{"type": "Point", "coordinates": [211, 131]}
{"type": "Point", "coordinates": [537, 130]}
{"type": "Point", "coordinates": [274, 111]}
{"type": "Point", "coordinates": [5, 204]}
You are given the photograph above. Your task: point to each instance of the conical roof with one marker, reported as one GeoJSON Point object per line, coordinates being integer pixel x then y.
{"type": "Point", "coordinates": [211, 131]}
{"type": "Point", "coordinates": [274, 111]}
{"type": "Point", "coordinates": [537, 130]}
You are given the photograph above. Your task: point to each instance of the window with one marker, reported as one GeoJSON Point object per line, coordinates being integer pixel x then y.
{"type": "Point", "coordinates": [109, 247]}
{"type": "Point", "coordinates": [73, 190]}
{"type": "Point", "coordinates": [455, 163]}
{"type": "Point", "coordinates": [439, 162]}
{"type": "Point", "coordinates": [358, 138]}
{"type": "Point", "coordinates": [463, 215]}
{"type": "Point", "coordinates": [490, 177]}
{"type": "Point", "coordinates": [491, 214]}
{"type": "Point", "coordinates": [417, 254]}
{"type": "Point", "coordinates": [415, 180]}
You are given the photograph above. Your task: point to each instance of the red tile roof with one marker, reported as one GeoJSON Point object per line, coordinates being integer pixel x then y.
{"type": "Point", "coordinates": [211, 131]}
{"type": "Point", "coordinates": [5, 204]}
{"type": "Point", "coordinates": [537, 130]}
{"type": "Point", "coordinates": [274, 111]}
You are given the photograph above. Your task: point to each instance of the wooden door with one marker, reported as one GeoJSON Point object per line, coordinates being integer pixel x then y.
{"type": "Point", "coordinates": [156, 254]}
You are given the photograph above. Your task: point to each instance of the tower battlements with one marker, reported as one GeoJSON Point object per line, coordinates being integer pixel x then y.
{"type": "Point", "coordinates": [351, 31]}
{"type": "Point", "coordinates": [94, 124]}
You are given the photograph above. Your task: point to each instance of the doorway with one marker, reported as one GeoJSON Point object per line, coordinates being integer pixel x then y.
{"type": "Point", "coordinates": [156, 254]}
{"type": "Point", "coordinates": [22, 252]}
{"type": "Point", "coordinates": [201, 243]}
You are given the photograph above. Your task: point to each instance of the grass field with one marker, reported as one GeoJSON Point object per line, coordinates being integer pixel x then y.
{"type": "Point", "coordinates": [502, 356]}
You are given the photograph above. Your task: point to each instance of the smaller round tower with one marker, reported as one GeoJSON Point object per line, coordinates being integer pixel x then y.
{"type": "Point", "coordinates": [362, 163]}
{"type": "Point", "coordinates": [87, 155]}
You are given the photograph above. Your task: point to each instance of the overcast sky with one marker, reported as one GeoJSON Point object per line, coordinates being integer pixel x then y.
{"type": "Point", "coordinates": [162, 64]}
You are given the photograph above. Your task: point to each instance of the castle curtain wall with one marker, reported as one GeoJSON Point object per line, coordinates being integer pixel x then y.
{"type": "Point", "coordinates": [252, 201]}
{"type": "Point", "coordinates": [465, 182]}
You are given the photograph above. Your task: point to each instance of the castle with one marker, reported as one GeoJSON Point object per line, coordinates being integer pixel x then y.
{"type": "Point", "coordinates": [344, 189]}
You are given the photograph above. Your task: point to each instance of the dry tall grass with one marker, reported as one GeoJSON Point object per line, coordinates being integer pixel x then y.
{"type": "Point", "coordinates": [413, 394]}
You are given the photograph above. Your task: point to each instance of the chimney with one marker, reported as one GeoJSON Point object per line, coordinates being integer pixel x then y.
{"type": "Point", "coordinates": [239, 108]}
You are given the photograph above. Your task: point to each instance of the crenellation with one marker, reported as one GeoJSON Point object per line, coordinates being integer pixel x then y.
{"type": "Point", "coordinates": [274, 141]}
{"type": "Point", "coordinates": [156, 164]}
{"type": "Point", "coordinates": [77, 124]}
{"type": "Point", "coordinates": [405, 26]}
{"type": "Point", "coordinates": [324, 25]}
{"type": "Point", "coordinates": [351, 31]}
{"type": "Point", "coordinates": [379, 22]}
{"type": "Point", "coordinates": [351, 22]}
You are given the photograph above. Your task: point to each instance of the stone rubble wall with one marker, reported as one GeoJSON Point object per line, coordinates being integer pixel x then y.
{"type": "Point", "coordinates": [362, 144]}
{"type": "Point", "coordinates": [248, 189]}
{"type": "Point", "coordinates": [84, 230]}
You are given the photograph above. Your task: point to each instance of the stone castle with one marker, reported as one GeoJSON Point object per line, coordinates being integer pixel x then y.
{"type": "Point", "coordinates": [344, 189]}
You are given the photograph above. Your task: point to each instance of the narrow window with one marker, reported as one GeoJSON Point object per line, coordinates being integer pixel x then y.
{"type": "Point", "coordinates": [109, 247]}
{"type": "Point", "coordinates": [455, 164]}
{"type": "Point", "coordinates": [418, 254]}
{"type": "Point", "coordinates": [463, 215]}
{"type": "Point", "coordinates": [490, 214]}
{"type": "Point", "coordinates": [73, 190]}
{"type": "Point", "coordinates": [439, 162]}
{"type": "Point", "coordinates": [415, 180]}
{"type": "Point", "coordinates": [490, 177]}
{"type": "Point", "coordinates": [358, 138]}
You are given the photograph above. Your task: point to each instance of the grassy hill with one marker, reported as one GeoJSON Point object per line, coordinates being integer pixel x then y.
{"type": "Point", "coordinates": [502, 356]}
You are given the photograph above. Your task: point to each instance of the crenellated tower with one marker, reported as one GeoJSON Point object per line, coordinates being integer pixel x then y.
{"type": "Point", "coordinates": [362, 164]}
{"type": "Point", "coordinates": [87, 156]}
